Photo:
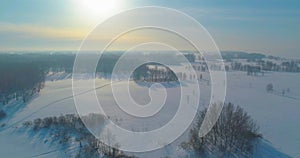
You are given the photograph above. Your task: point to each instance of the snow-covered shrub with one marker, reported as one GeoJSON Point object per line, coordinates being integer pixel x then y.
{"type": "Point", "coordinates": [270, 88]}
{"type": "Point", "coordinates": [27, 123]}
{"type": "Point", "coordinates": [2, 114]}
{"type": "Point", "coordinates": [69, 129]}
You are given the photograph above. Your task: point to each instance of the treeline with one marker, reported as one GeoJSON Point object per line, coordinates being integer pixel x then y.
{"type": "Point", "coordinates": [69, 129]}
{"type": "Point", "coordinates": [19, 81]}
{"type": "Point", "coordinates": [233, 134]}
{"type": "Point", "coordinates": [22, 75]}
{"type": "Point", "coordinates": [229, 55]}
{"type": "Point", "coordinates": [261, 65]}
{"type": "Point", "coordinates": [46, 62]}
{"type": "Point", "coordinates": [281, 64]}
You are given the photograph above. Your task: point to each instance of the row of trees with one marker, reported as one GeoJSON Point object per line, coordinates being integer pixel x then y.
{"type": "Point", "coordinates": [261, 65]}
{"type": "Point", "coordinates": [68, 128]}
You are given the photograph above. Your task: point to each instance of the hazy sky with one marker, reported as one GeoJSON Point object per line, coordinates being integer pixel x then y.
{"type": "Point", "coordinates": [269, 26]}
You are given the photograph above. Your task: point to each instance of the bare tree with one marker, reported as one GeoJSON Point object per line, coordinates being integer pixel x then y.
{"type": "Point", "coordinates": [270, 88]}
{"type": "Point", "coordinates": [234, 133]}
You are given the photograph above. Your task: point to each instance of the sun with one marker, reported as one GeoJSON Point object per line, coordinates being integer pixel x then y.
{"type": "Point", "coordinates": [99, 8]}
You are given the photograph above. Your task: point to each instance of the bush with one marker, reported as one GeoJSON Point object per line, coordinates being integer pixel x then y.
{"type": "Point", "coordinates": [270, 88]}
{"type": "Point", "coordinates": [2, 114]}
{"type": "Point", "coordinates": [37, 124]}
{"type": "Point", "coordinates": [67, 127]}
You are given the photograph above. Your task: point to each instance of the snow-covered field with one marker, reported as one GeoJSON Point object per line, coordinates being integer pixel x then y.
{"type": "Point", "coordinates": [277, 115]}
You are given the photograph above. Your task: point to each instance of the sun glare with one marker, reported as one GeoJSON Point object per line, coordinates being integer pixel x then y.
{"type": "Point", "coordinates": [99, 8]}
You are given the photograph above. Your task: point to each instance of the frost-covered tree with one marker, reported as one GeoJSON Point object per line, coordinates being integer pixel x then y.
{"type": "Point", "coordinates": [233, 134]}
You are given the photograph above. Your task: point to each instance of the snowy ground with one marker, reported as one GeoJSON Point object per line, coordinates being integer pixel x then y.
{"type": "Point", "coordinates": [277, 115]}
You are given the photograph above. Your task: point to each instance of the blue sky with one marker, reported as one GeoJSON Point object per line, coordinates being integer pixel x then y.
{"type": "Point", "coordinates": [269, 26]}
